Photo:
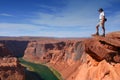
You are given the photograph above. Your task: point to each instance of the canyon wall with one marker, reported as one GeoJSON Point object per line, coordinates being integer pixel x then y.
{"type": "Point", "coordinates": [95, 58]}
{"type": "Point", "coordinates": [4, 51]}
{"type": "Point", "coordinates": [101, 60]}
{"type": "Point", "coordinates": [15, 47]}
{"type": "Point", "coordinates": [61, 55]}
{"type": "Point", "coordinates": [10, 68]}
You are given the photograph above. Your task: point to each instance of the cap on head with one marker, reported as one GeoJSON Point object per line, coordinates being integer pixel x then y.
{"type": "Point", "coordinates": [100, 10]}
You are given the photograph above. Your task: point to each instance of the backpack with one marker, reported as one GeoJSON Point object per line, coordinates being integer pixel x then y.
{"type": "Point", "coordinates": [105, 19]}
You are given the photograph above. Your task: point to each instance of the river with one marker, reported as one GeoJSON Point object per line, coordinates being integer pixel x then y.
{"type": "Point", "coordinates": [38, 71]}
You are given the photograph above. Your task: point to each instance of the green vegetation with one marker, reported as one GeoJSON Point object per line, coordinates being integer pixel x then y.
{"type": "Point", "coordinates": [40, 70]}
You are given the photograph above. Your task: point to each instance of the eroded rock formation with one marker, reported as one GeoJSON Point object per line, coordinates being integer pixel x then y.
{"type": "Point", "coordinates": [103, 48]}
{"type": "Point", "coordinates": [101, 60]}
{"type": "Point", "coordinates": [60, 55]}
{"type": "Point", "coordinates": [90, 59]}
{"type": "Point", "coordinates": [4, 51]}
{"type": "Point", "coordinates": [49, 52]}
{"type": "Point", "coordinates": [16, 47]}
{"type": "Point", "coordinates": [10, 69]}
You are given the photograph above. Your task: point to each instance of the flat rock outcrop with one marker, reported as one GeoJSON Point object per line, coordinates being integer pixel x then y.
{"type": "Point", "coordinates": [114, 35]}
{"type": "Point", "coordinates": [103, 48]}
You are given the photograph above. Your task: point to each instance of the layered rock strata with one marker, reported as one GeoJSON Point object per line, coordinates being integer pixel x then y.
{"type": "Point", "coordinates": [95, 58]}
{"type": "Point", "coordinates": [10, 69]}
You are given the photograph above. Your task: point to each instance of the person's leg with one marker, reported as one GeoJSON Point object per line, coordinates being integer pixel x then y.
{"type": "Point", "coordinates": [103, 27]}
{"type": "Point", "coordinates": [97, 29]}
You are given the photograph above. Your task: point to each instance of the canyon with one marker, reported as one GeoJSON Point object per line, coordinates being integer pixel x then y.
{"type": "Point", "coordinates": [95, 58]}
{"type": "Point", "coordinates": [10, 68]}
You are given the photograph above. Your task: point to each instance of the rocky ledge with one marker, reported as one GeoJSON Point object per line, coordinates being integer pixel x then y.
{"type": "Point", "coordinates": [101, 58]}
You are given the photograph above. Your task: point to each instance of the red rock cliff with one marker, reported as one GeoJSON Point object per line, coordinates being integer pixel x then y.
{"type": "Point", "coordinates": [60, 55]}
{"type": "Point", "coordinates": [101, 60]}
{"type": "Point", "coordinates": [4, 51]}
{"type": "Point", "coordinates": [10, 69]}
{"type": "Point", "coordinates": [91, 59]}
{"type": "Point", "coordinates": [16, 47]}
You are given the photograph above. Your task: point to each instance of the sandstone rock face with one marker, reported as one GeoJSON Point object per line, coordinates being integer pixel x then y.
{"type": "Point", "coordinates": [4, 51]}
{"type": "Point", "coordinates": [114, 35]}
{"type": "Point", "coordinates": [90, 59]}
{"type": "Point", "coordinates": [101, 60]}
{"type": "Point", "coordinates": [10, 69]}
{"type": "Point", "coordinates": [103, 48]}
{"type": "Point", "coordinates": [49, 52]}
{"type": "Point", "coordinates": [16, 47]}
{"type": "Point", "coordinates": [60, 55]}
{"type": "Point", "coordinates": [94, 70]}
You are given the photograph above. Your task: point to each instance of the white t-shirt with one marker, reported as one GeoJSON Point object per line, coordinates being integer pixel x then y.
{"type": "Point", "coordinates": [101, 15]}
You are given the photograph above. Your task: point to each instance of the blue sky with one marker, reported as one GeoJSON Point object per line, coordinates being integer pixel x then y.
{"type": "Point", "coordinates": [56, 18]}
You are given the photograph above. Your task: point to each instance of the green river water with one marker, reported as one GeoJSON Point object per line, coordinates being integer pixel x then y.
{"type": "Point", "coordinates": [39, 72]}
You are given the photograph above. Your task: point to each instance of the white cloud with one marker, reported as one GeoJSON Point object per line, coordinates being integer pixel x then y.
{"type": "Point", "coordinates": [81, 14]}
{"type": "Point", "coordinates": [51, 8]}
{"type": "Point", "coordinates": [77, 19]}
{"type": "Point", "coordinates": [5, 14]}
{"type": "Point", "coordinates": [76, 13]}
{"type": "Point", "coordinates": [64, 33]}
{"type": "Point", "coordinates": [12, 29]}
{"type": "Point", "coordinates": [65, 19]}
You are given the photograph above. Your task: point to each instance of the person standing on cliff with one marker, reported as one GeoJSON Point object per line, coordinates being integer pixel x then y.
{"type": "Point", "coordinates": [101, 23]}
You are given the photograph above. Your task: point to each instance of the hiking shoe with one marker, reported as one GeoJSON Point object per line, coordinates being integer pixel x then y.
{"type": "Point", "coordinates": [103, 35]}
{"type": "Point", "coordinates": [96, 34]}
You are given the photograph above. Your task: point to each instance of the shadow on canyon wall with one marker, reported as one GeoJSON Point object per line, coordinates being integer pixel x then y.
{"type": "Point", "coordinates": [17, 48]}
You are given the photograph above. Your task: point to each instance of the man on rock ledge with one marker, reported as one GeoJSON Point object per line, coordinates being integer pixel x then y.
{"type": "Point", "coordinates": [101, 23]}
